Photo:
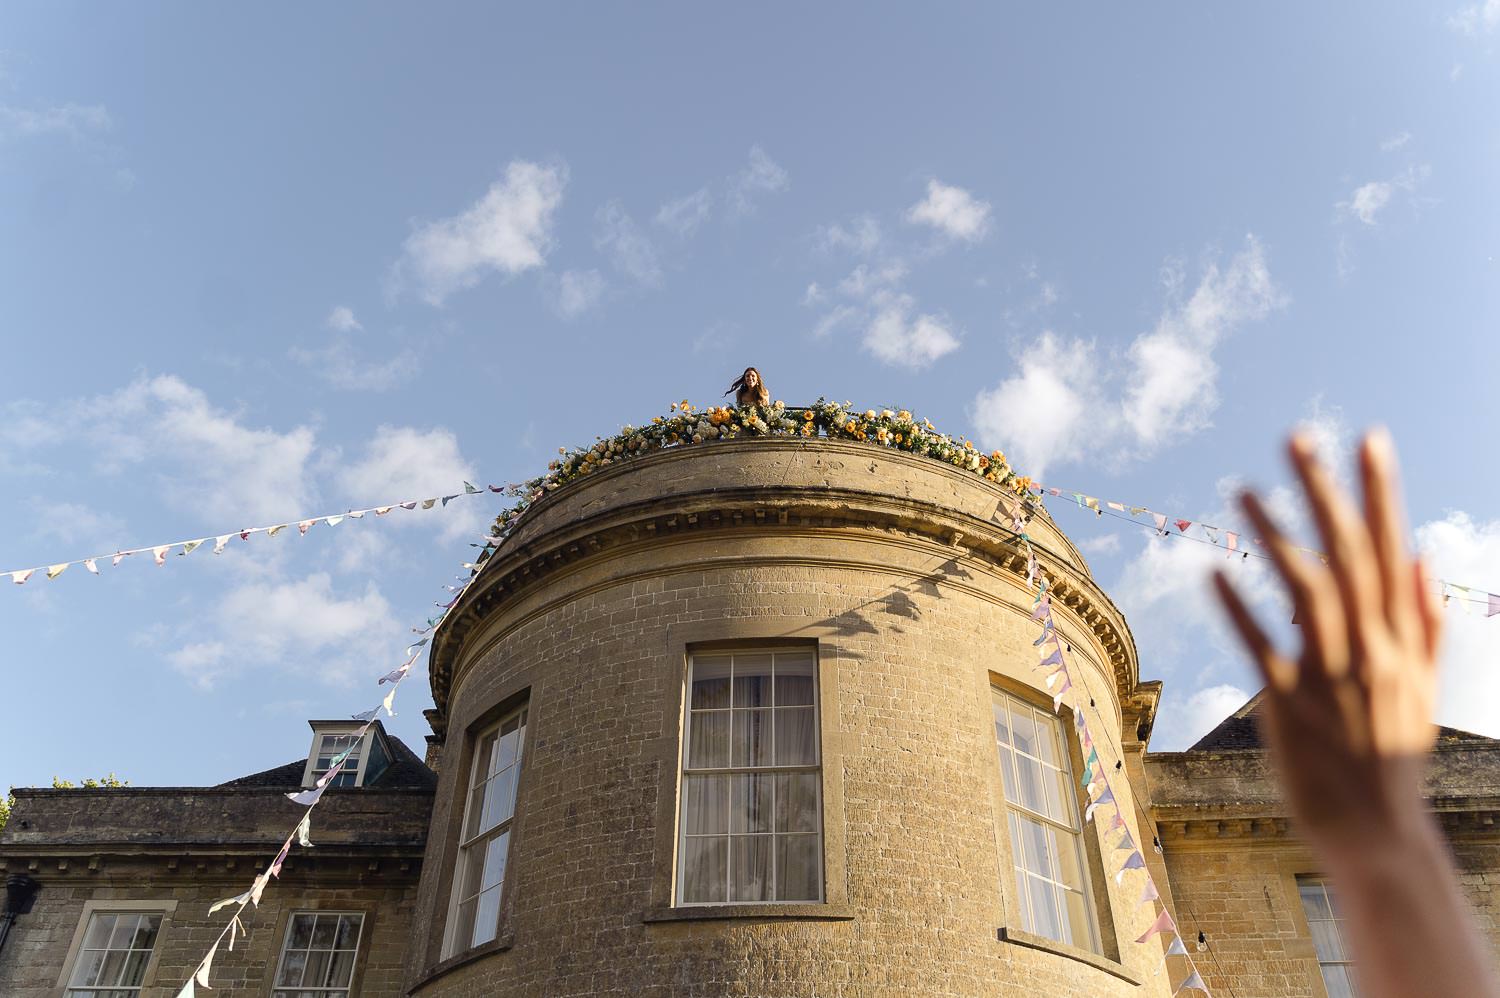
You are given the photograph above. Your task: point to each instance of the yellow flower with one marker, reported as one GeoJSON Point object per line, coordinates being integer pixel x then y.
{"type": "Point", "coordinates": [809, 415]}
{"type": "Point", "coordinates": [984, 462]}
{"type": "Point", "coordinates": [904, 416]}
{"type": "Point", "coordinates": [869, 413]}
{"type": "Point", "coordinates": [886, 413]}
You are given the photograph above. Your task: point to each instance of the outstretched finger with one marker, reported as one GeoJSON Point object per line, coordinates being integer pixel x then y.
{"type": "Point", "coordinates": [1429, 607]}
{"type": "Point", "coordinates": [1345, 538]}
{"type": "Point", "coordinates": [1276, 671]}
{"type": "Point", "coordinates": [1317, 605]}
{"type": "Point", "coordinates": [1377, 463]}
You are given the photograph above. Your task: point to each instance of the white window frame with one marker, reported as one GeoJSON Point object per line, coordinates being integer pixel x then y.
{"type": "Point", "coordinates": [1323, 884]}
{"type": "Point", "coordinates": [469, 849]}
{"type": "Point", "coordinates": [286, 939]}
{"type": "Point", "coordinates": [1073, 831]}
{"type": "Point", "coordinates": [684, 770]}
{"type": "Point", "coordinates": [356, 764]}
{"type": "Point", "coordinates": [91, 908]}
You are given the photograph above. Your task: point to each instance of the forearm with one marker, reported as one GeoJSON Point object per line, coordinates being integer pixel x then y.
{"type": "Point", "coordinates": [1401, 884]}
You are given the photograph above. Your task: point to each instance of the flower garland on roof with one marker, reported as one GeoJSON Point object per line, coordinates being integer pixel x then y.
{"type": "Point", "coordinates": [686, 425]}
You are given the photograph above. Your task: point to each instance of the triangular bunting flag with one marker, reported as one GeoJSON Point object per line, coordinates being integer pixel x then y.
{"type": "Point", "coordinates": [356, 514]}
{"type": "Point", "coordinates": [1163, 923]}
{"type": "Point", "coordinates": [333, 521]}
{"type": "Point", "coordinates": [203, 968]}
{"type": "Point", "coordinates": [304, 831]}
{"type": "Point", "coordinates": [382, 510]}
{"type": "Point", "coordinates": [390, 698]}
{"type": "Point", "coordinates": [307, 798]}
{"type": "Point", "coordinates": [409, 504]}
{"type": "Point", "coordinates": [119, 557]}
{"type": "Point", "coordinates": [1194, 982]}
{"type": "Point", "coordinates": [428, 503]}
{"type": "Point", "coordinates": [304, 525]}
{"type": "Point", "coordinates": [1132, 862]}
{"type": "Point", "coordinates": [469, 489]}
{"type": "Point", "coordinates": [1177, 948]}
{"type": "Point", "coordinates": [448, 499]}
{"type": "Point", "coordinates": [275, 868]}
{"type": "Point", "coordinates": [1056, 658]}
{"type": "Point", "coordinates": [1149, 894]}
{"type": "Point", "coordinates": [91, 565]}
{"type": "Point", "coordinates": [237, 899]}
{"type": "Point", "coordinates": [1161, 522]}
{"type": "Point", "coordinates": [1494, 607]}
{"type": "Point", "coordinates": [276, 530]}
{"type": "Point", "coordinates": [160, 554]}
{"type": "Point", "coordinates": [191, 546]}
{"type": "Point", "coordinates": [1212, 532]}
{"type": "Point", "coordinates": [1182, 525]}
{"type": "Point", "coordinates": [258, 888]}
{"type": "Point", "coordinates": [1115, 506]}
{"type": "Point", "coordinates": [55, 570]}
{"type": "Point", "coordinates": [1231, 541]}
{"type": "Point", "coordinates": [1057, 698]}
{"type": "Point", "coordinates": [187, 990]}
{"type": "Point", "coordinates": [219, 543]}
{"type": "Point", "coordinates": [367, 716]}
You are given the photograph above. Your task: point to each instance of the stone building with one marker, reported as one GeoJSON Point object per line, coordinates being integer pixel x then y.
{"type": "Point", "coordinates": [759, 718]}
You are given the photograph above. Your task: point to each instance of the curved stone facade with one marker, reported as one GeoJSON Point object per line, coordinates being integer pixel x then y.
{"type": "Point", "coordinates": [904, 575]}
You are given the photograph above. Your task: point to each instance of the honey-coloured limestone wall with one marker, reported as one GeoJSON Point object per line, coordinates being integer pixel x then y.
{"type": "Point", "coordinates": [904, 574]}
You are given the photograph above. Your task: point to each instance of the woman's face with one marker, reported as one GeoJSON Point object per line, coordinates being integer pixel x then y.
{"type": "Point", "coordinates": [752, 379]}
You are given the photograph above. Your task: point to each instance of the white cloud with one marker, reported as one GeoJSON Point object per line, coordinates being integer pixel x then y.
{"type": "Point", "coordinates": [303, 624]}
{"type": "Point", "coordinates": [838, 316]}
{"type": "Point", "coordinates": [628, 248]}
{"type": "Point", "coordinates": [952, 211]}
{"type": "Point", "coordinates": [1101, 544]}
{"type": "Point", "coordinates": [206, 461]}
{"type": "Point", "coordinates": [342, 320]}
{"type": "Point", "coordinates": [1050, 410]}
{"type": "Point", "coordinates": [1201, 713]}
{"type": "Point", "coordinates": [1065, 404]}
{"type": "Point", "coordinates": [78, 524]}
{"type": "Point", "coordinates": [897, 338]}
{"type": "Point", "coordinates": [1367, 201]}
{"type": "Point", "coordinates": [1172, 386]}
{"type": "Point", "coordinates": [762, 175]}
{"type": "Point", "coordinates": [861, 236]}
{"type": "Point", "coordinates": [338, 364]}
{"type": "Point", "coordinates": [72, 120]}
{"type": "Point", "coordinates": [685, 214]}
{"type": "Point", "coordinates": [1476, 19]}
{"type": "Point", "coordinates": [401, 462]}
{"type": "Point", "coordinates": [1395, 142]}
{"type": "Point", "coordinates": [1467, 551]}
{"type": "Point", "coordinates": [577, 291]}
{"type": "Point", "coordinates": [864, 281]}
{"type": "Point", "coordinates": [507, 231]}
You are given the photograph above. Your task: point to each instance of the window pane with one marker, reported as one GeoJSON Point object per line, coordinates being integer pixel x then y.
{"type": "Point", "coordinates": [472, 862]}
{"type": "Point", "coordinates": [751, 743]}
{"type": "Point", "coordinates": [1339, 982]}
{"type": "Point", "coordinates": [794, 678]}
{"type": "Point", "coordinates": [1008, 774]}
{"type": "Point", "coordinates": [485, 757]}
{"type": "Point", "coordinates": [1038, 847]}
{"type": "Point", "coordinates": [348, 934]}
{"type": "Point", "coordinates": [752, 686]}
{"type": "Point", "coordinates": [705, 808]}
{"type": "Point", "coordinates": [100, 928]}
{"type": "Point", "coordinates": [710, 681]}
{"type": "Point", "coordinates": [1043, 909]}
{"type": "Point", "coordinates": [1029, 785]}
{"type": "Point", "coordinates": [1325, 938]}
{"type": "Point", "coordinates": [341, 969]}
{"type": "Point", "coordinates": [291, 967]}
{"type": "Point", "coordinates": [487, 916]}
{"type": "Point", "coordinates": [114, 966]}
{"type": "Point", "coordinates": [1314, 901]}
{"type": "Point", "coordinates": [316, 974]}
{"type": "Point", "coordinates": [750, 806]}
{"type": "Point", "coordinates": [797, 802]}
{"type": "Point", "coordinates": [301, 931]}
{"type": "Point", "coordinates": [1022, 730]}
{"type": "Point", "coordinates": [1062, 797]}
{"type": "Point", "coordinates": [124, 931]}
{"type": "Point", "coordinates": [145, 933]}
{"type": "Point", "coordinates": [1068, 868]}
{"type": "Point", "coordinates": [796, 739]}
{"type": "Point", "coordinates": [507, 748]}
{"type": "Point", "coordinates": [1046, 737]}
{"type": "Point", "coordinates": [499, 799]}
{"type": "Point", "coordinates": [705, 873]}
{"type": "Point", "coordinates": [1002, 723]}
{"type": "Point", "coordinates": [1077, 925]}
{"type": "Point", "coordinates": [463, 926]}
{"type": "Point", "coordinates": [798, 862]}
{"type": "Point", "coordinates": [323, 931]}
{"type": "Point", "coordinates": [751, 867]}
{"type": "Point", "coordinates": [494, 861]}
{"type": "Point", "coordinates": [86, 971]}
{"type": "Point", "coordinates": [708, 744]}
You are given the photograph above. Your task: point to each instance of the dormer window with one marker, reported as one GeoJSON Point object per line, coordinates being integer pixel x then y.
{"type": "Point", "coordinates": [365, 756]}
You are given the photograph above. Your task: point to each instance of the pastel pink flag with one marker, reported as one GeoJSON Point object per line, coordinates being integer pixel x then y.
{"type": "Point", "coordinates": [1231, 540]}
{"type": "Point", "coordinates": [1161, 522]}
{"type": "Point", "coordinates": [304, 525]}
{"type": "Point", "coordinates": [275, 868]}
{"type": "Point", "coordinates": [1055, 492]}
{"type": "Point", "coordinates": [1115, 506]}
{"type": "Point", "coordinates": [160, 553]}
{"type": "Point", "coordinates": [1494, 605]}
{"type": "Point", "coordinates": [1163, 923]}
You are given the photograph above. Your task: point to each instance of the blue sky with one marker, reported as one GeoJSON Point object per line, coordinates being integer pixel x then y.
{"type": "Point", "coordinates": [262, 265]}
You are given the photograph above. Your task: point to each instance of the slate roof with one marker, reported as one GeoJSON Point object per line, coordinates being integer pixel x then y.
{"type": "Point", "coordinates": [406, 772]}
{"type": "Point", "coordinates": [1241, 731]}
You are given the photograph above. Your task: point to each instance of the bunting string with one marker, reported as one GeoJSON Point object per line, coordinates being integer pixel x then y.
{"type": "Point", "coordinates": [1096, 781]}
{"type": "Point", "coordinates": [1233, 543]}
{"type": "Point", "coordinates": [159, 552]}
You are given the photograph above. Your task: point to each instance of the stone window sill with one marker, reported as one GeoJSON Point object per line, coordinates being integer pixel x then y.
{"type": "Point", "coordinates": [1020, 937]}
{"type": "Point", "coordinates": [499, 945]}
{"type": "Point", "coordinates": [772, 912]}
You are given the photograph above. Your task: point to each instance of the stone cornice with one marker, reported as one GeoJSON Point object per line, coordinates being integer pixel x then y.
{"type": "Point", "coordinates": [619, 529]}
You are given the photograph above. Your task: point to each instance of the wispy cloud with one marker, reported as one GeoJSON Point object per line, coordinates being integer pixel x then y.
{"type": "Point", "coordinates": [1065, 403]}
{"type": "Point", "coordinates": [74, 121]}
{"type": "Point", "coordinates": [626, 245]}
{"type": "Point", "coordinates": [1368, 200]}
{"type": "Point", "coordinates": [762, 175]}
{"type": "Point", "coordinates": [953, 211]}
{"type": "Point", "coordinates": [342, 320]}
{"type": "Point", "coordinates": [1476, 19]}
{"type": "Point", "coordinates": [898, 336]}
{"type": "Point", "coordinates": [576, 292]}
{"type": "Point", "coordinates": [411, 463]}
{"type": "Point", "coordinates": [508, 231]}
{"type": "Point", "coordinates": [684, 215]}
{"type": "Point", "coordinates": [338, 362]}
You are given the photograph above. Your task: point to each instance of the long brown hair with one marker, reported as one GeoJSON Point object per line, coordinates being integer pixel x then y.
{"type": "Point", "coordinates": [744, 394]}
